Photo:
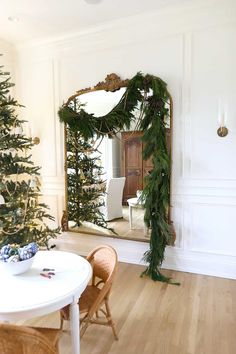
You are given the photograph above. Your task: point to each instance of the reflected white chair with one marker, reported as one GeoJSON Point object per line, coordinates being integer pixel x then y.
{"type": "Point", "coordinates": [113, 199]}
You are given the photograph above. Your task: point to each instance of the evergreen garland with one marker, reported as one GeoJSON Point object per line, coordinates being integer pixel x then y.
{"type": "Point", "coordinates": [150, 92]}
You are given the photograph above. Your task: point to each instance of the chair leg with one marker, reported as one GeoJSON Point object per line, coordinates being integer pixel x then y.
{"type": "Point", "coordinates": [109, 319]}
{"type": "Point", "coordinates": [83, 325]}
{"type": "Point", "coordinates": [61, 322]}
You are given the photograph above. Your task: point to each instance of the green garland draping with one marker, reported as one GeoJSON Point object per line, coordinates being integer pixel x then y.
{"type": "Point", "coordinates": [150, 92]}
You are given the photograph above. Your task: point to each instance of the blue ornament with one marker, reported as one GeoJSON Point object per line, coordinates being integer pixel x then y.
{"type": "Point", "coordinates": [13, 259]}
{"type": "Point", "coordinates": [32, 247]}
{"type": "Point", "coordinates": [4, 257]}
{"type": "Point", "coordinates": [5, 249]}
{"type": "Point", "coordinates": [24, 254]}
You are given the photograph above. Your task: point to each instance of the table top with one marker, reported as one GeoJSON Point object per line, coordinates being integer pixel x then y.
{"type": "Point", "coordinates": [30, 291]}
{"type": "Point", "coordinates": [134, 202]}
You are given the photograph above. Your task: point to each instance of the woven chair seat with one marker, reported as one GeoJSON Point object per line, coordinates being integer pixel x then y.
{"type": "Point", "coordinates": [85, 302]}
{"type": "Point", "coordinates": [51, 334]}
{"type": "Point", "coordinates": [27, 340]}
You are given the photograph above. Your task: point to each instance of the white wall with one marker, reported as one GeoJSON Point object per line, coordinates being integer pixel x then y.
{"type": "Point", "coordinates": [8, 59]}
{"type": "Point", "coordinates": [192, 47]}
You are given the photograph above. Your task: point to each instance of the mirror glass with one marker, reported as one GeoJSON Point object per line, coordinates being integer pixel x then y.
{"type": "Point", "coordinates": [100, 102]}
{"type": "Point", "coordinates": [120, 156]}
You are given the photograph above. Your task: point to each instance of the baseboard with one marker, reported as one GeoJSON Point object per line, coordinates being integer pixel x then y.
{"type": "Point", "coordinates": [175, 258]}
{"type": "Point", "coordinates": [206, 263]}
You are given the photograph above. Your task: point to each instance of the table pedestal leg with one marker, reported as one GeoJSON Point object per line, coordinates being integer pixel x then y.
{"type": "Point", "coordinates": [74, 326]}
{"type": "Point", "coordinates": [130, 216]}
{"type": "Point", "coordinates": [145, 230]}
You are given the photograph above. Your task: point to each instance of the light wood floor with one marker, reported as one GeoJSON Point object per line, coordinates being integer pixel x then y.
{"type": "Point", "coordinates": [121, 226]}
{"type": "Point", "coordinates": [198, 317]}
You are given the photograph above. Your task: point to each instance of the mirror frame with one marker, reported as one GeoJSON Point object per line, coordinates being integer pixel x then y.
{"type": "Point", "coordinates": [113, 83]}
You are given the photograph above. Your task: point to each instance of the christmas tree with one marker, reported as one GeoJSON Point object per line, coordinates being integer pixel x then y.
{"type": "Point", "coordinates": [85, 183]}
{"type": "Point", "coordinates": [22, 217]}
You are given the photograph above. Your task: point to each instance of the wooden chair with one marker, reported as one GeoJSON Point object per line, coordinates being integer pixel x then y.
{"type": "Point", "coordinates": [95, 297]}
{"type": "Point", "coordinates": [27, 340]}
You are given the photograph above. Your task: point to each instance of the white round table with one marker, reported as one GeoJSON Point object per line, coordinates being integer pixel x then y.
{"type": "Point", "coordinates": [30, 294]}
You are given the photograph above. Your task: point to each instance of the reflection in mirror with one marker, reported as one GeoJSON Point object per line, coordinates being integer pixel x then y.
{"type": "Point", "coordinates": [116, 169]}
{"type": "Point", "coordinates": [101, 102]}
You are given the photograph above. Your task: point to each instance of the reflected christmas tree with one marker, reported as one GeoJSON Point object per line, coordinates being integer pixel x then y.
{"type": "Point", "coordinates": [85, 182]}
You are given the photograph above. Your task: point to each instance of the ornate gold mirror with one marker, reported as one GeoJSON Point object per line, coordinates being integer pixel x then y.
{"type": "Point", "coordinates": [117, 159]}
{"type": "Point", "coordinates": [117, 156]}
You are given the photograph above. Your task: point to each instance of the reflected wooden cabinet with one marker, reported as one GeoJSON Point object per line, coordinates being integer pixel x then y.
{"type": "Point", "coordinates": [134, 168]}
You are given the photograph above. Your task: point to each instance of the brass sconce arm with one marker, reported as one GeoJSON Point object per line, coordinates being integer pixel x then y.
{"type": "Point", "coordinates": [36, 140]}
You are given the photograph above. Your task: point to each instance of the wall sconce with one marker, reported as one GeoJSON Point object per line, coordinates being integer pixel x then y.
{"type": "Point", "coordinates": [222, 131]}
{"type": "Point", "coordinates": [36, 139]}
{"type": "Point", "coordinates": [30, 133]}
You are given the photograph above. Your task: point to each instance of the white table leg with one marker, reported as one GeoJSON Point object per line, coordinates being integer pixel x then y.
{"type": "Point", "coordinates": [74, 326]}
{"type": "Point", "coordinates": [130, 216]}
{"type": "Point", "coordinates": [145, 230]}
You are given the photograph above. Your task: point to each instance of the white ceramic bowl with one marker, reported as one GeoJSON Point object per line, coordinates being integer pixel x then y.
{"type": "Point", "coordinates": [15, 268]}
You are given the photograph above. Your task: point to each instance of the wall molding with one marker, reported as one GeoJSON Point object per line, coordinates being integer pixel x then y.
{"type": "Point", "coordinates": [181, 187]}
{"type": "Point", "coordinates": [211, 206]}
{"type": "Point", "coordinates": [186, 104]}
